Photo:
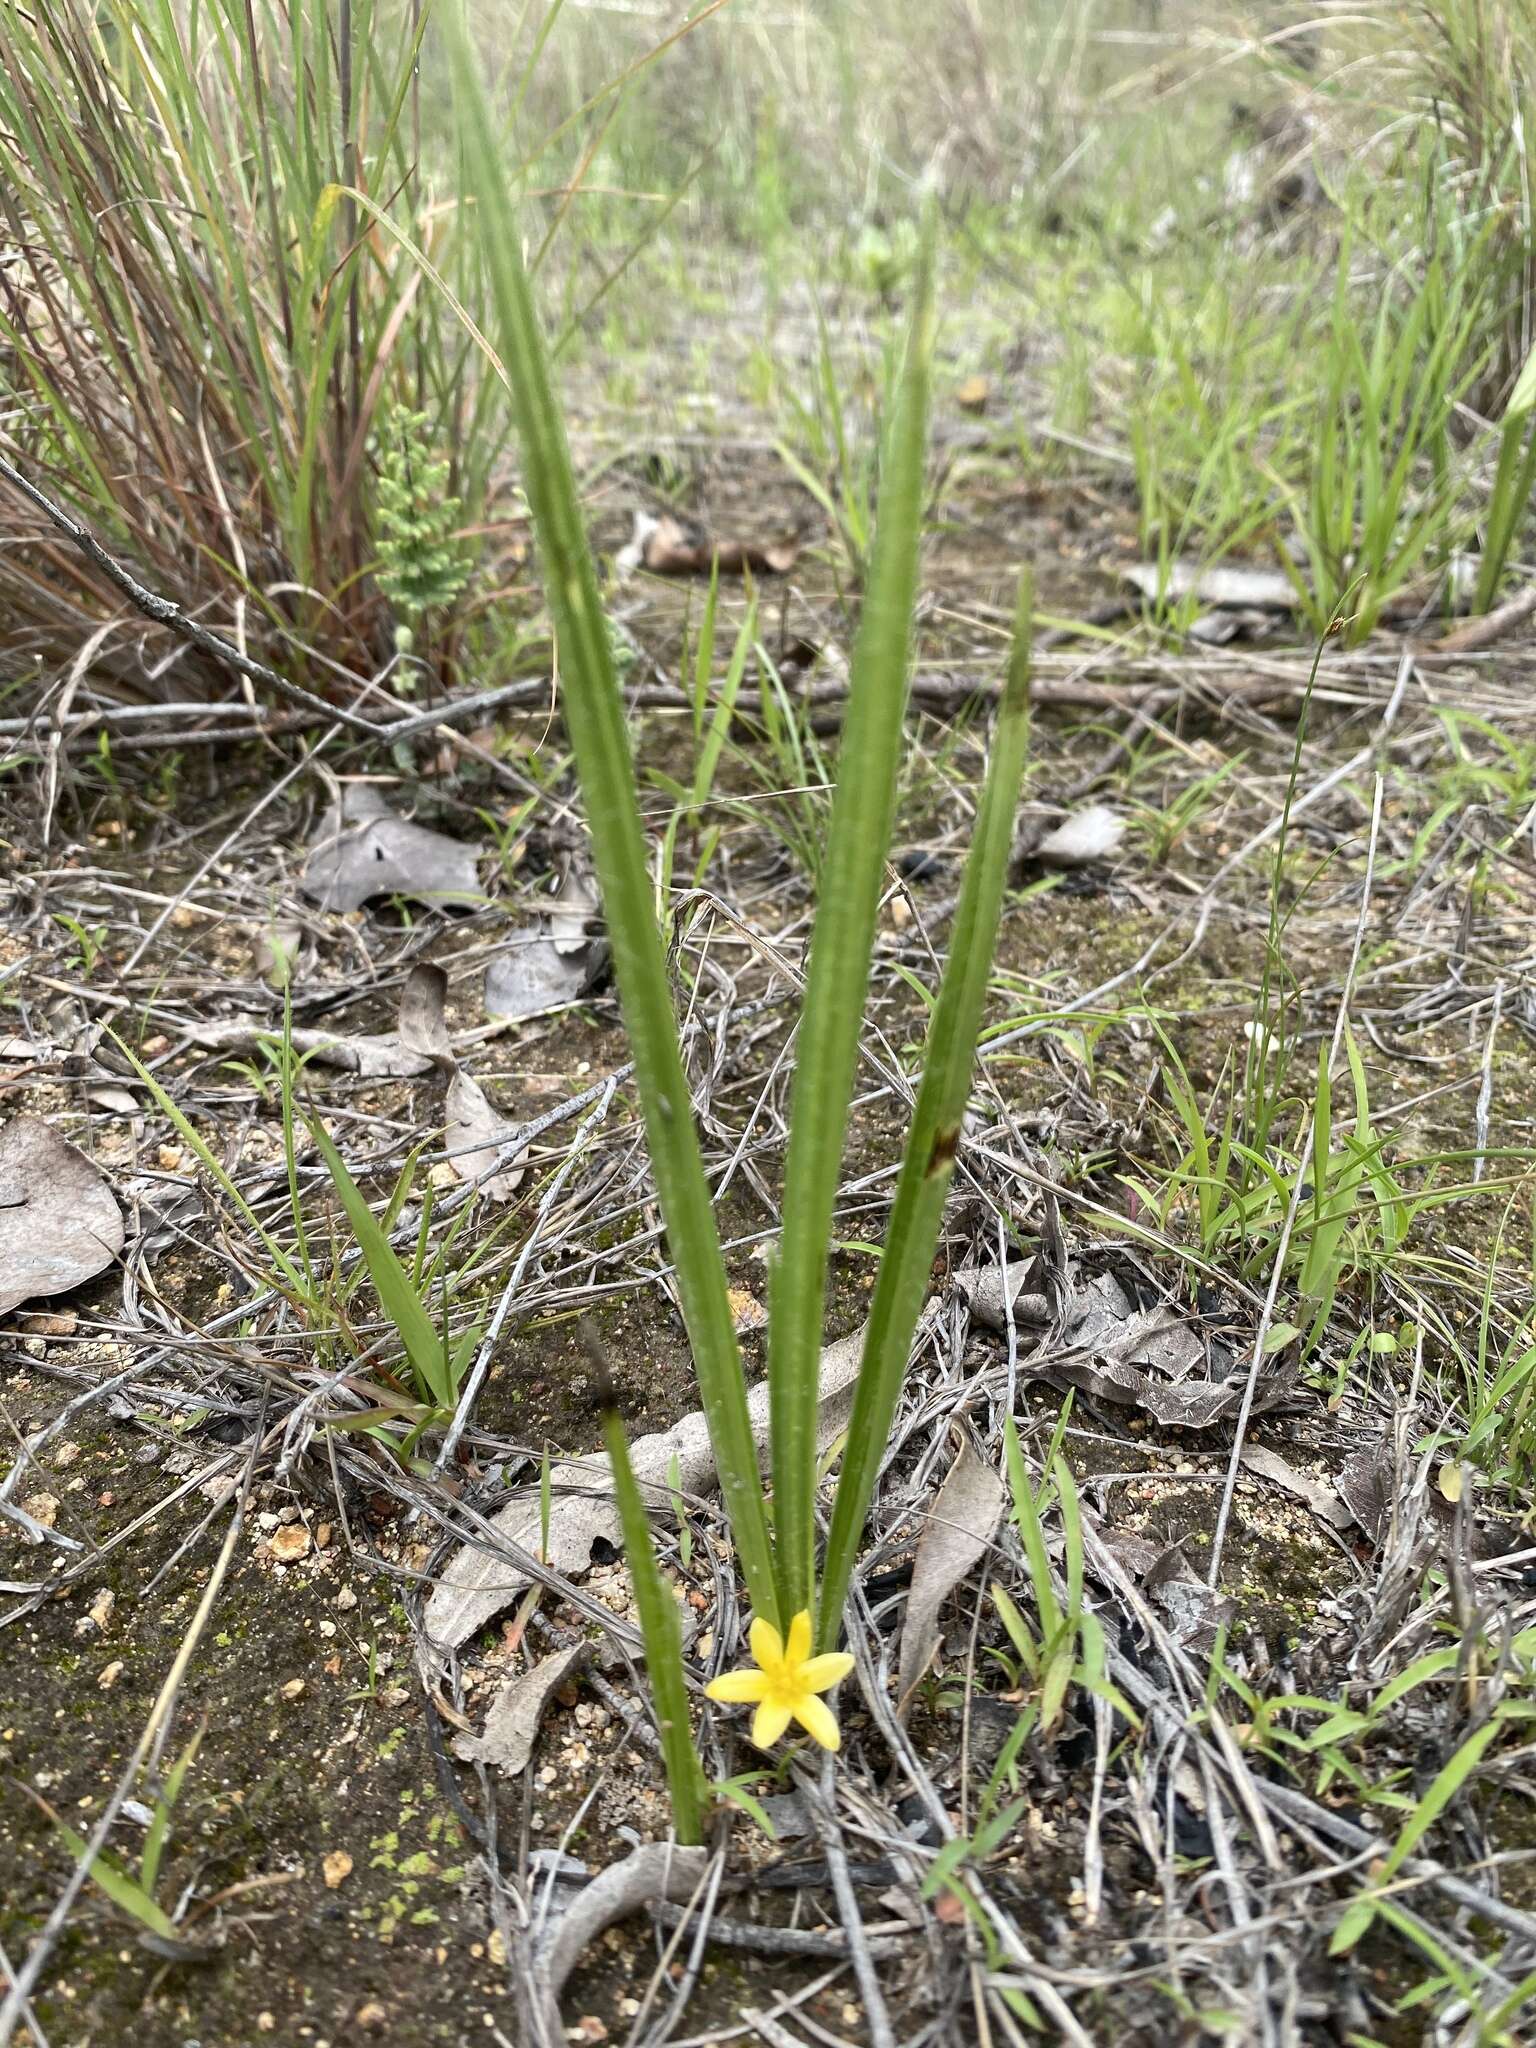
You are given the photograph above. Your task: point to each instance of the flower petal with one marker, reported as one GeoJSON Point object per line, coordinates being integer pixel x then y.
{"type": "Point", "coordinates": [767, 1643]}
{"type": "Point", "coordinates": [769, 1723]}
{"type": "Point", "coordinates": [817, 1673]}
{"type": "Point", "coordinates": [798, 1648]}
{"type": "Point", "coordinates": [818, 1721]}
{"type": "Point", "coordinates": [737, 1688]}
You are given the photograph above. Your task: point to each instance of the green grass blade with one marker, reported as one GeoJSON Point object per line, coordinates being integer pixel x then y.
{"type": "Point", "coordinates": [397, 1297]}
{"type": "Point", "coordinates": [158, 1832]}
{"type": "Point", "coordinates": [725, 706]}
{"type": "Point", "coordinates": [929, 1160]}
{"type": "Point", "coordinates": [838, 977]}
{"type": "Point", "coordinates": [124, 1892]}
{"type": "Point", "coordinates": [663, 1635]}
{"type": "Point", "coordinates": [289, 1274]}
{"type": "Point", "coordinates": [1448, 1781]}
{"type": "Point", "coordinates": [594, 717]}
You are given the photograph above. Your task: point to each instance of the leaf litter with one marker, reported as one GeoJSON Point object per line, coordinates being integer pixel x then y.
{"type": "Point", "coordinates": [59, 1222]}
{"type": "Point", "coordinates": [506, 1743]}
{"type": "Point", "coordinates": [1079, 1326]}
{"type": "Point", "coordinates": [1148, 1359]}
{"type": "Point", "coordinates": [477, 1140]}
{"type": "Point", "coordinates": [666, 546]}
{"type": "Point", "coordinates": [957, 1532]}
{"type": "Point", "coordinates": [362, 850]}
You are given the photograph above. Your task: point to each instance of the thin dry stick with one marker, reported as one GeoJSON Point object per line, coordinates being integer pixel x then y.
{"type": "Point", "coordinates": [1293, 1209]}
{"type": "Point", "coordinates": [1485, 1090]}
{"type": "Point", "coordinates": [34, 2027]}
{"type": "Point", "coordinates": [877, 2020]}
{"type": "Point", "coordinates": [1484, 631]}
{"type": "Point", "coordinates": [1295, 1809]}
{"type": "Point", "coordinates": [255, 719]}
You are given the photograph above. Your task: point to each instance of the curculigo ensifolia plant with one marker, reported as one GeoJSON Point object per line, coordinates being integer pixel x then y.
{"type": "Point", "coordinates": [796, 1623]}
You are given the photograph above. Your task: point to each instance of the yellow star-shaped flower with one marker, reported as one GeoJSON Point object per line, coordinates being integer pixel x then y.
{"type": "Point", "coordinates": [785, 1684]}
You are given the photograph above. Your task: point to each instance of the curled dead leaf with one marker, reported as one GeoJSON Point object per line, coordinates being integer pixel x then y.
{"type": "Point", "coordinates": [530, 975]}
{"type": "Point", "coordinates": [423, 1025]}
{"type": "Point", "coordinates": [362, 850]}
{"type": "Point", "coordinates": [575, 906]}
{"type": "Point", "coordinates": [512, 1725]}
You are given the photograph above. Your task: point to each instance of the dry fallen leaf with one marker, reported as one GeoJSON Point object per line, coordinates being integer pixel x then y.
{"type": "Point", "coordinates": [1088, 835]}
{"type": "Point", "coordinates": [1320, 1496]}
{"type": "Point", "coordinates": [59, 1224]}
{"type": "Point", "coordinates": [274, 950]}
{"type": "Point", "coordinates": [512, 1725]}
{"type": "Point", "coordinates": [575, 906]}
{"type": "Point", "coordinates": [377, 1057]}
{"type": "Point", "coordinates": [363, 850]}
{"type": "Point", "coordinates": [475, 1137]}
{"type": "Point", "coordinates": [1130, 1358]}
{"type": "Point", "coordinates": [1195, 1610]}
{"type": "Point", "coordinates": [955, 1535]}
{"type": "Point", "coordinates": [423, 1025]}
{"type": "Point", "coordinates": [1452, 1480]}
{"type": "Point", "coordinates": [1367, 1485]}
{"type": "Point", "coordinates": [1226, 588]}
{"type": "Point", "coordinates": [667, 547]}
{"type": "Point", "coordinates": [530, 975]}
{"type": "Point", "coordinates": [985, 1289]}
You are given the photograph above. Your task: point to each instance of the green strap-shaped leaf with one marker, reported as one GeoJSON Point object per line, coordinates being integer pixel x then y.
{"type": "Point", "coordinates": [397, 1297]}
{"type": "Point", "coordinates": [827, 1050]}
{"type": "Point", "coordinates": [663, 1635]}
{"type": "Point", "coordinates": [594, 719]}
{"type": "Point", "coordinates": [934, 1139]}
